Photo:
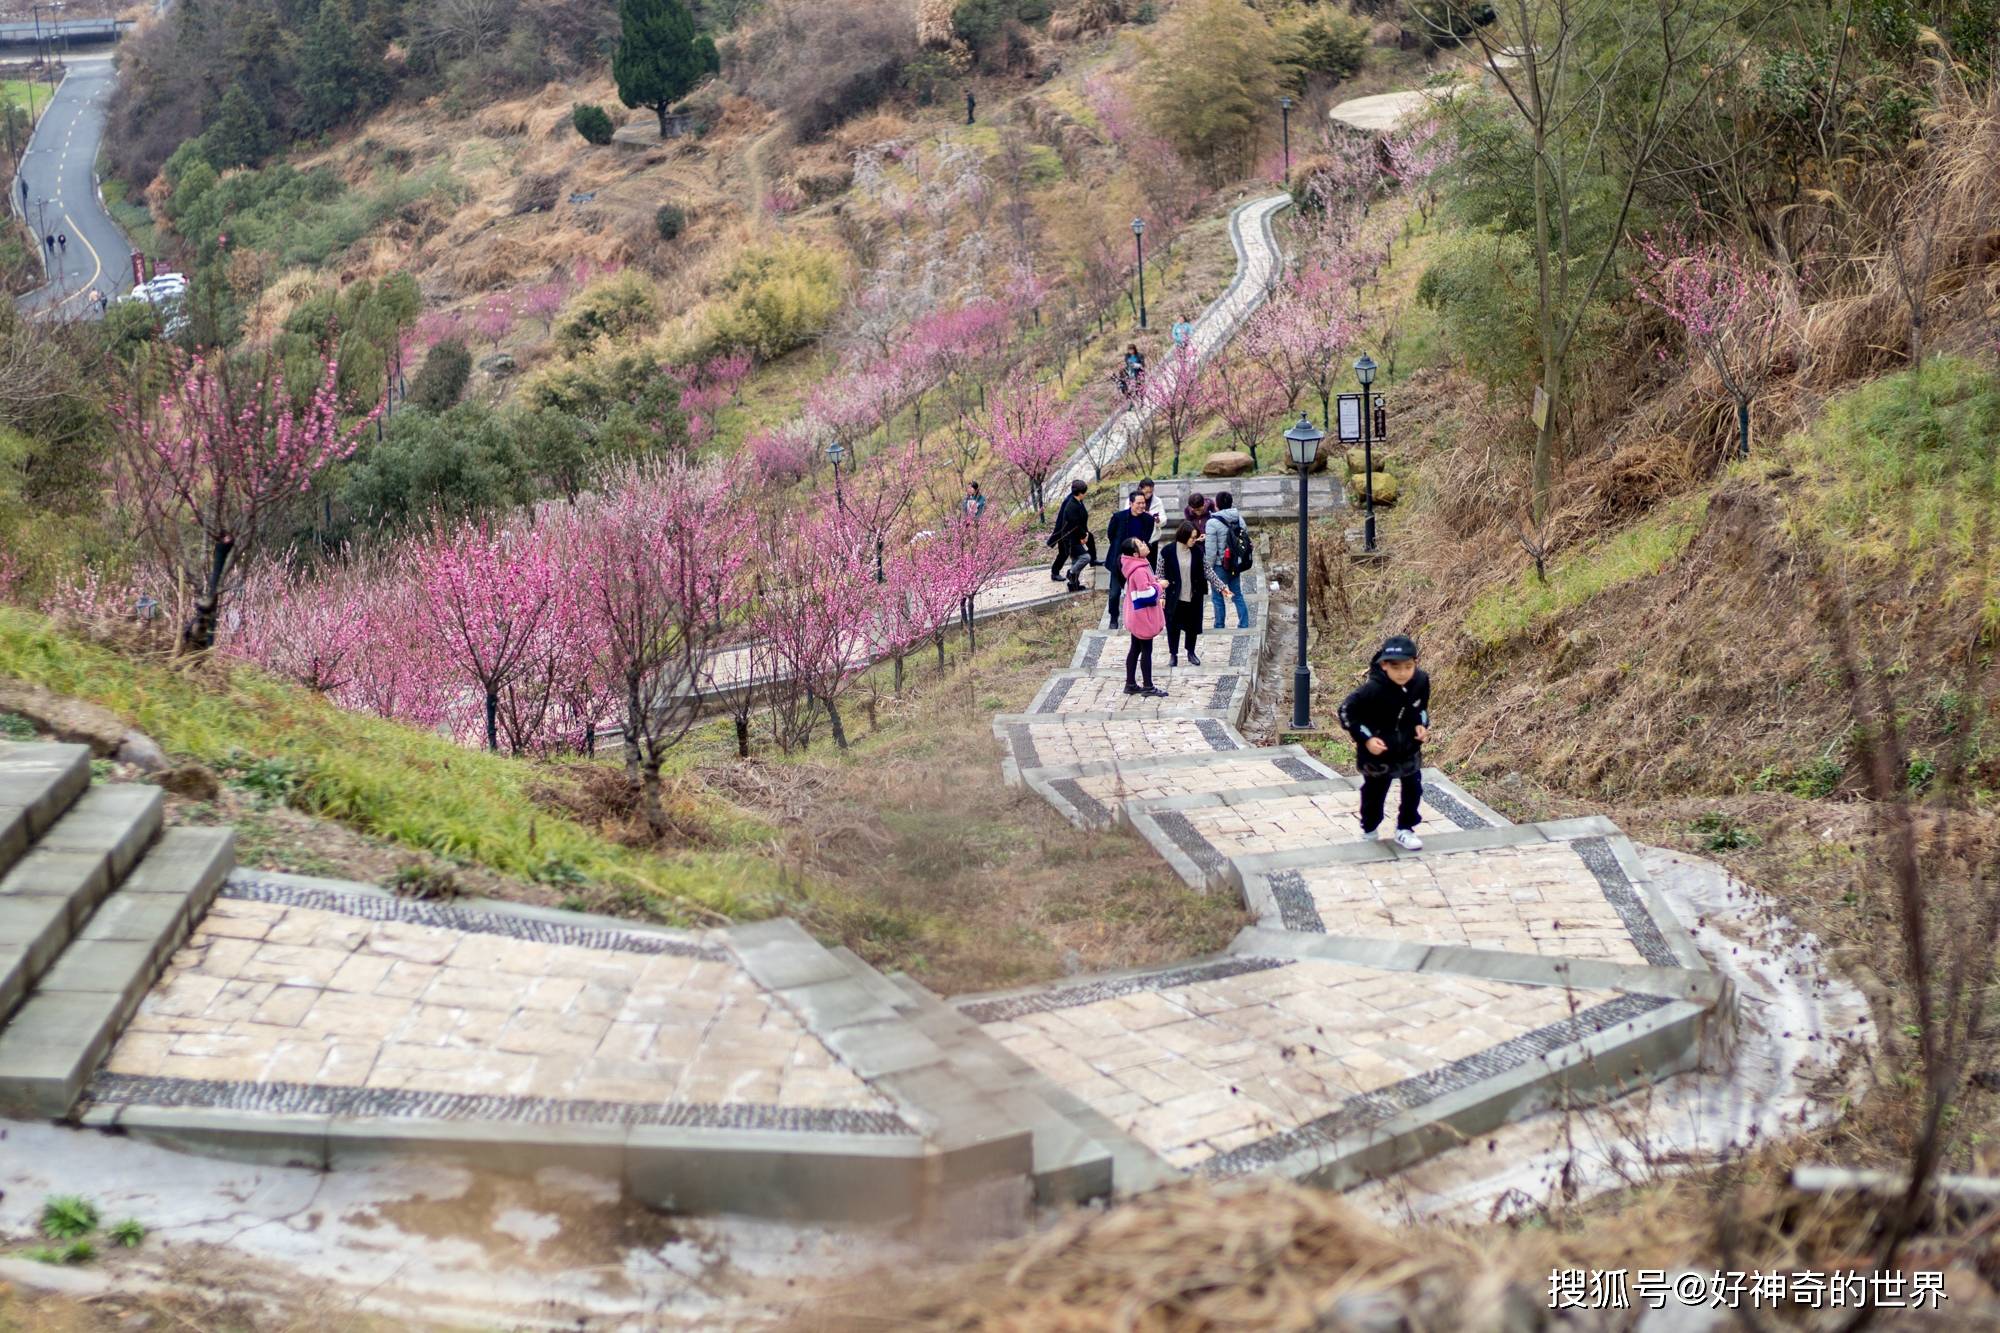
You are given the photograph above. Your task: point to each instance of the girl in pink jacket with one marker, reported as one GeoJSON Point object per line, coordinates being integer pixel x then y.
{"type": "Point", "coordinates": [1145, 614]}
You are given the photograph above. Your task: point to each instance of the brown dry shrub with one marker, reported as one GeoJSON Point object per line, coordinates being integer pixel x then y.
{"type": "Point", "coordinates": [537, 194]}
{"type": "Point", "coordinates": [1080, 18]}
{"type": "Point", "coordinates": [598, 796]}
{"type": "Point", "coordinates": [880, 126]}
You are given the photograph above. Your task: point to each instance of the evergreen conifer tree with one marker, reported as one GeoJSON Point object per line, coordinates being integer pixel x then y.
{"type": "Point", "coordinates": [661, 56]}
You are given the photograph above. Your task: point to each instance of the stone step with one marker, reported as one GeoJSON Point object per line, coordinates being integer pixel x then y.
{"type": "Point", "coordinates": [1074, 1158]}
{"type": "Point", "coordinates": [1094, 795]}
{"type": "Point", "coordinates": [38, 781]}
{"type": "Point", "coordinates": [51, 891]}
{"type": "Point", "coordinates": [1201, 833]}
{"type": "Point", "coordinates": [77, 1006]}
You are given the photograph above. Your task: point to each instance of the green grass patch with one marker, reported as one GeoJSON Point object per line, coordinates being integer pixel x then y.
{"type": "Point", "coordinates": [1632, 553]}
{"type": "Point", "coordinates": [135, 219]}
{"type": "Point", "coordinates": [1900, 466]}
{"type": "Point", "coordinates": [395, 782]}
{"type": "Point", "coordinates": [16, 91]}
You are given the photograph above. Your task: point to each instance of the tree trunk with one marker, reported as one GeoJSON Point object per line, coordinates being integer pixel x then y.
{"type": "Point", "coordinates": [899, 674]}
{"type": "Point", "coordinates": [649, 797]}
{"type": "Point", "coordinates": [493, 720]}
{"type": "Point", "coordinates": [635, 719]}
{"type": "Point", "coordinates": [742, 736]}
{"type": "Point", "coordinates": [660, 110]}
{"type": "Point", "coordinates": [198, 635]}
{"type": "Point", "coordinates": [938, 639]}
{"type": "Point", "coordinates": [833, 718]}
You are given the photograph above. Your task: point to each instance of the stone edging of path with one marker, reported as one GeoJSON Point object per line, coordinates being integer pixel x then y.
{"type": "Point", "coordinates": [796, 1162]}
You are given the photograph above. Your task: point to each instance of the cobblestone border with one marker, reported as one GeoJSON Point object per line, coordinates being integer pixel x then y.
{"type": "Point", "coordinates": [1296, 909]}
{"type": "Point", "coordinates": [254, 887]}
{"type": "Point", "coordinates": [1623, 896]}
{"type": "Point", "coordinates": [1041, 1000]}
{"type": "Point", "coordinates": [1370, 1110]}
{"type": "Point", "coordinates": [395, 1103]}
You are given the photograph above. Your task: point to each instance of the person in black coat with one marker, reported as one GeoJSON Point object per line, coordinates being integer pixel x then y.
{"type": "Point", "coordinates": [1186, 583]}
{"type": "Point", "coordinates": [1389, 717]}
{"type": "Point", "coordinates": [1071, 535]}
{"type": "Point", "coordinates": [1132, 521]}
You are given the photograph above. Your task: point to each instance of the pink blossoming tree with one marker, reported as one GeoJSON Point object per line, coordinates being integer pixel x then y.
{"type": "Point", "coordinates": [487, 591]}
{"type": "Point", "coordinates": [1730, 311]}
{"type": "Point", "coordinates": [215, 460]}
{"type": "Point", "coordinates": [1027, 428]}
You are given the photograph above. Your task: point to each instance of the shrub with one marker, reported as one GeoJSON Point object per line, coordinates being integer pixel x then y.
{"type": "Point", "coordinates": [592, 123]}
{"type": "Point", "coordinates": [1331, 43]}
{"type": "Point", "coordinates": [778, 297]}
{"type": "Point", "coordinates": [1209, 81]}
{"type": "Point", "coordinates": [671, 220]}
{"type": "Point", "coordinates": [607, 309]}
{"type": "Point", "coordinates": [821, 64]}
{"type": "Point", "coordinates": [1444, 23]}
{"type": "Point", "coordinates": [442, 379]}
{"type": "Point", "coordinates": [449, 465]}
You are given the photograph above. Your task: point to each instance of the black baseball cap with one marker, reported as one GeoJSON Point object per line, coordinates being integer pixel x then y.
{"type": "Point", "coordinates": [1397, 647]}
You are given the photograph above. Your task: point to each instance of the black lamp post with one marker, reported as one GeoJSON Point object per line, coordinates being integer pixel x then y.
{"type": "Point", "coordinates": [1302, 441]}
{"type": "Point", "coordinates": [1364, 370]}
{"type": "Point", "coordinates": [835, 452]}
{"type": "Point", "coordinates": [1285, 110]}
{"type": "Point", "coordinates": [1139, 244]}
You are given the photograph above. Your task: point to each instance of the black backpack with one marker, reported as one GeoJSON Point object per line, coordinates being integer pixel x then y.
{"type": "Point", "coordinates": [1237, 555]}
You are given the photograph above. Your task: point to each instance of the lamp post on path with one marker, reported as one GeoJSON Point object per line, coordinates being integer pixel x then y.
{"type": "Point", "coordinates": [1285, 110]}
{"type": "Point", "coordinates": [835, 452]}
{"type": "Point", "coordinates": [1302, 441]}
{"type": "Point", "coordinates": [1364, 371]}
{"type": "Point", "coordinates": [1139, 244]}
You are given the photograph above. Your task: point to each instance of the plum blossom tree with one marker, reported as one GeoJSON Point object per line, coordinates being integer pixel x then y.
{"type": "Point", "coordinates": [1247, 401]}
{"type": "Point", "coordinates": [1178, 397]}
{"type": "Point", "coordinates": [1419, 155]}
{"type": "Point", "coordinates": [1028, 428]}
{"type": "Point", "coordinates": [656, 556]}
{"type": "Point", "coordinates": [301, 626]}
{"type": "Point", "coordinates": [815, 605]}
{"type": "Point", "coordinates": [486, 592]}
{"type": "Point", "coordinates": [1730, 311]}
{"type": "Point", "coordinates": [216, 459]}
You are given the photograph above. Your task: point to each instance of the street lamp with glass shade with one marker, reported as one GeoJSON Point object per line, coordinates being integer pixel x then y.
{"type": "Point", "coordinates": [1302, 443]}
{"type": "Point", "coordinates": [1139, 245]}
{"type": "Point", "coordinates": [1364, 371]}
{"type": "Point", "coordinates": [835, 452]}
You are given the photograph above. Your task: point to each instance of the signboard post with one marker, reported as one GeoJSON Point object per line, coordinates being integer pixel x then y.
{"type": "Point", "coordinates": [138, 268]}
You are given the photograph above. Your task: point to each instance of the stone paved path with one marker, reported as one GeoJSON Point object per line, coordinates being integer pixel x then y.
{"type": "Point", "coordinates": [1384, 996]}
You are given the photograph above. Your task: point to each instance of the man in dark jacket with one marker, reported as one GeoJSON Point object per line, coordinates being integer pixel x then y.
{"type": "Point", "coordinates": [1071, 532]}
{"type": "Point", "coordinates": [1132, 521]}
{"type": "Point", "coordinates": [1389, 717]}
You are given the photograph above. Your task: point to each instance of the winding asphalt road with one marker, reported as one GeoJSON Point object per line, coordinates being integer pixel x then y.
{"type": "Point", "coordinates": [60, 168]}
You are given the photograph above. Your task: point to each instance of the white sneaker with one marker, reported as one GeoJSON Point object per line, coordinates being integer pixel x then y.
{"type": "Point", "coordinates": [1407, 839]}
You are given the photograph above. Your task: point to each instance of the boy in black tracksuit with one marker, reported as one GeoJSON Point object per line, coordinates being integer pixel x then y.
{"type": "Point", "coordinates": [1389, 718]}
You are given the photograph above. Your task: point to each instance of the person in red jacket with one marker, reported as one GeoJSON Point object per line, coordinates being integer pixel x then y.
{"type": "Point", "coordinates": [1145, 614]}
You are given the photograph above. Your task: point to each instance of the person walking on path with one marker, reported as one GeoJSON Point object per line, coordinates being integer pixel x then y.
{"type": "Point", "coordinates": [1186, 586]}
{"type": "Point", "coordinates": [1223, 524]}
{"type": "Point", "coordinates": [1071, 535]}
{"type": "Point", "coordinates": [975, 503]}
{"type": "Point", "coordinates": [1131, 521]}
{"type": "Point", "coordinates": [1144, 617]}
{"type": "Point", "coordinates": [1132, 374]}
{"type": "Point", "coordinates": [1389, 717]}
{"type": "Point", "coordinates": [1183, 330]}
{"type": "Point", "coordinates": [970, 104]}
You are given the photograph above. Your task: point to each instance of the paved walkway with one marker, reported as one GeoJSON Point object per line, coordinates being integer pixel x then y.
{"type": "Point", "coordinates": [60, 167]}
{"type": "Point", "coordinates": [1384, 997]}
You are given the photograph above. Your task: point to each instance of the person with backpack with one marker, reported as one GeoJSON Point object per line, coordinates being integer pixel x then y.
{"type": "Point", "coordinates": [1389, 717]}
{"type": "Point", "coordinates": [1186, 584]}
{"type": "Point", "coordinates": [1145, 615]}
{"type": "Point", "coordinates": [1230, 557]}
{"type": "Point", "coordinates": [1070, 535]}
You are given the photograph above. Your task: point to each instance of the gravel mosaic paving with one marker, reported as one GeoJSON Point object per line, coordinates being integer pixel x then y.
{"type": "Point", "coordinates": [407, 1103]}
{"type": "Point", "coordinates": [1227, 772]}
{"type": "Point", "coordinates": [1106, 694]}
{"type": "Point", "coordinates": [1097, 653]}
